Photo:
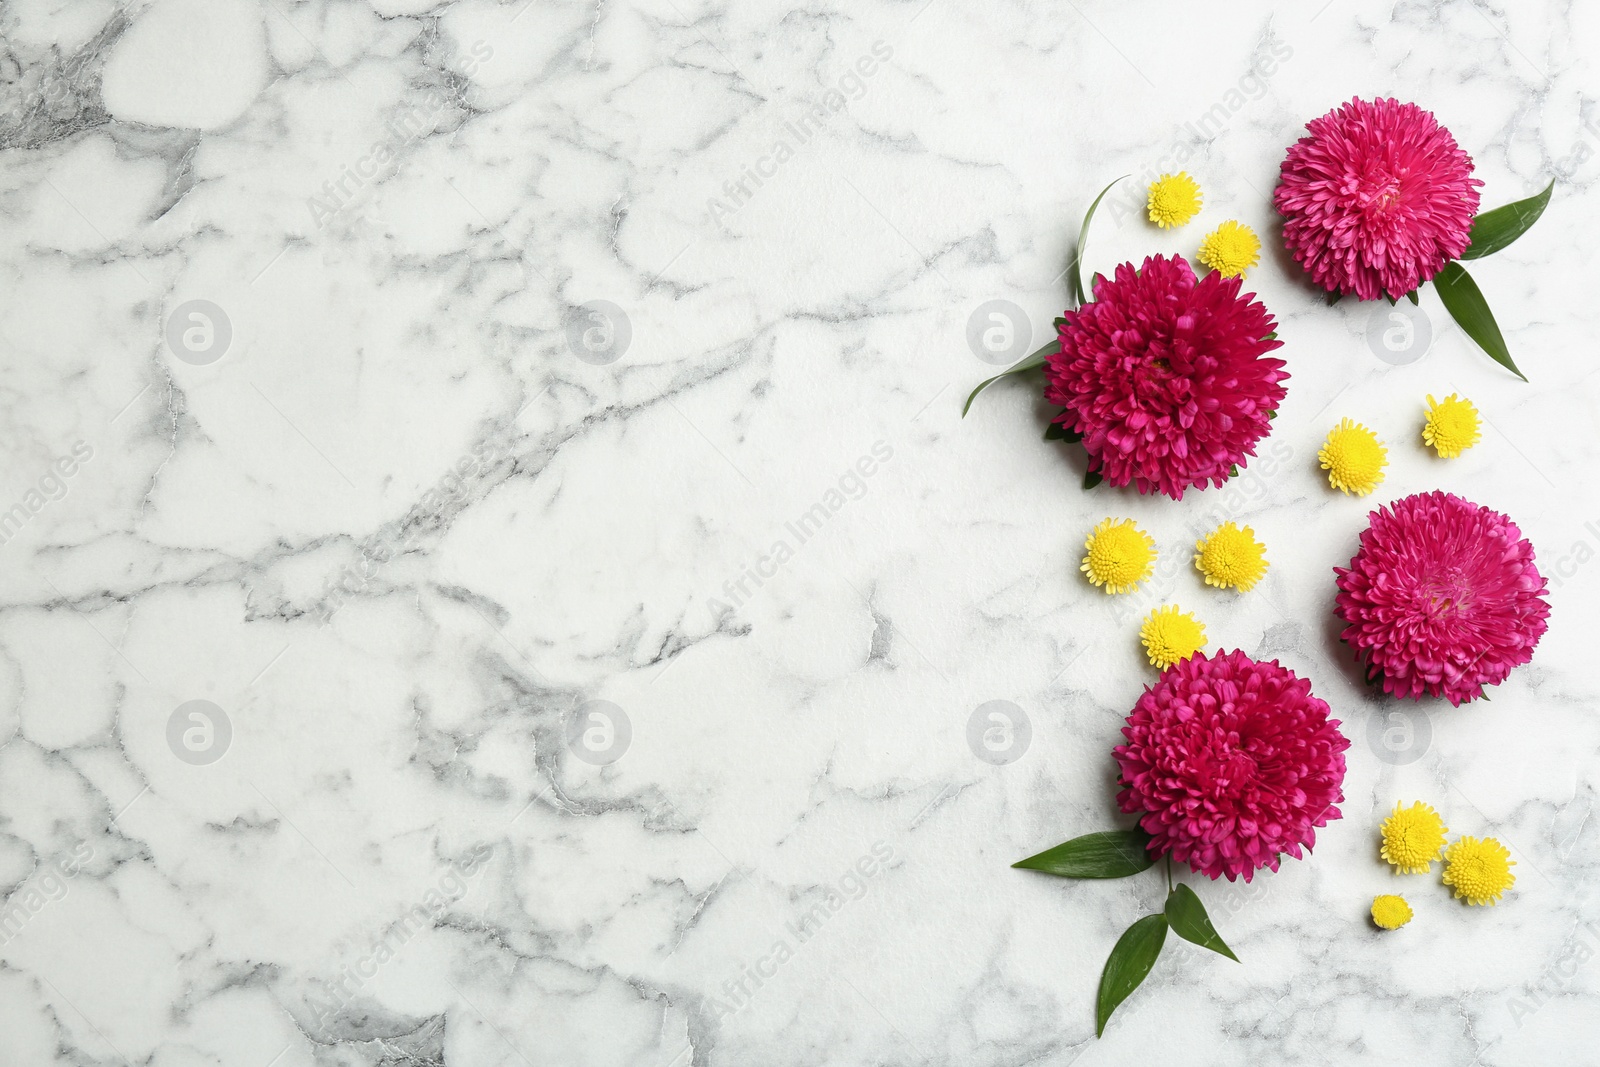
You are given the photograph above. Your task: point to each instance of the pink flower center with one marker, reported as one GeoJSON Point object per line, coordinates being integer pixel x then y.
{"type": "Point", "coordinates": [1378, 191]}
{"type": "Point", "coordinates": [1240, 767]}
{"type": "Point", "coordinates": [1447, 596]}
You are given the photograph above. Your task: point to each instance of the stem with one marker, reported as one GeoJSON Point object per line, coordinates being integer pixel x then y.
{"type": "Point", "coordinates": [1169, 872]}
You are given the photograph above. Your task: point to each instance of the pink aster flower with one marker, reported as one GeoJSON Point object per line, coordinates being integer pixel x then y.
{"type": "Point", "coordinates": [1442, 598]}
{"type": "Point", "coordinates": [1233, 763]}
{"type": "Point", "coordinates": [1377, 199]}
{"type": "Point", "coordinates": [1165, 376]}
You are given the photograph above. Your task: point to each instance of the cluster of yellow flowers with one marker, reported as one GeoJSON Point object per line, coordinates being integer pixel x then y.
{"type": "Point", "coordinates": [1477, 869]}
{"type": "Point", "coordinates": [1119, 555]}
{"type": "Point", "coordinates": [1230, 249]}
{"type": "Point", "coordinates": [1355, 459]}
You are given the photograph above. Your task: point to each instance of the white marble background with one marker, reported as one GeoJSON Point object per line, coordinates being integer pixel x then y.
{"type": "Point", "coordinates": [385, 850]}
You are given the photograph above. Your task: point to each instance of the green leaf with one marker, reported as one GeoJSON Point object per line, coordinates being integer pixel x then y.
{"type": "Point", "coordinates": [1108, 854]}
{"type": "Point", "coordinates": [1273, 336]}
{"type": "Point", "coordinates": [1127, 966]}
{"type": "Point", "coordinates": [1412, 296]}
{"type": "Point", "coordinates": [1092, 479]}
{"type": "Point", "coordinates": [1188, 919]}
{"type": "Point", "coordinates": [1083, 240]}
{"type": "Point", "coordinates": [1057, 432]}
{"type": "Point", "coordinates": [1465, 302]}
{"type": "Point", "coordinates": [1032, 362]}
{"type": "Point", "coordinates": [1334, 298]}
{"type": "Point", "coordinates": [1493, 230]}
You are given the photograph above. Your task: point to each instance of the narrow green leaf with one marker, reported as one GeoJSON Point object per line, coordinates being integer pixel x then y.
{"type": "Point", "coordinates": [1107, 854]}
{"type": "Point", "coordinates": [1465, 302]}
{"type": "Point", "coordinates": [1032, 362]}
{"type": "Point", "coordinates": [1092, 479]}
{"type": "Point", "coordinates": [1188, 919]}
{"type": "Point", "coordinates": [1334, 298]}
{"type": "Point", "coordinates": [1412, 296]}
{"type": "Point", "coordinates": [1083, 240]}
{"type": "Point", "coordinates": [1493, 230]}
{"type": "Point", "coordinates": [1273, 336]}
{"type": "Point", "coordinates": [1126, 967]}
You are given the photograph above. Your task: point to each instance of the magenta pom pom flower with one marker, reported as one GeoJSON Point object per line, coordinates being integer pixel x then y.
{"type": "Point", "coordinates": [1377, 199]}
{"type": "Point", "coordinates": [1166, 377]}
{"type": "Point", "coordinates": [1233, 763]}
{"type": "Point", "coordinates": [1442, 598]}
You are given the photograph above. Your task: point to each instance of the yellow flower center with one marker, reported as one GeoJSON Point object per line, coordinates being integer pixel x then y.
{"type": "Point", "coordinates": [1174, 200]}
{"type": "Point", "coordinates": [1230, 249]}
{"type": "Point", "coordinates": [1120, 555]}
{"type": "Point", "coordinates": [1390, 912]}
{"type": "Point", "coordinates": [1231, 557]}
{"type": "Point", "coordinates": [1479, 871]}
{"type": "Point", "coordinates": [1412, 838]}
{"type": "Point", "coordinates": [1353, 458]}
{"type": "Point", "coordinates": [1171, 636]}
{"type": "Point", "coordinates": [1452, 426]}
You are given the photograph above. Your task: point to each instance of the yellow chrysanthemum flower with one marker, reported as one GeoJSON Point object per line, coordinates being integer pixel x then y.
{"type": "Point", "coordinates": [1353, 458]}
{"type": "Point", "coordinates": [1412, 838]}
{"type": "Point", "coordinates": [1479, 870]}
{"type": "Point", "coordinates": [1390, 912]}
{"type": "Point", "coordinates": [1174, 199]}
{"type": "Point", "coordinates": [1231, 556]}
{"type": "Point", "coordinates": [1452, 426]}
{"type": "Point", "coordinates": [1231, 249]}
{"type": "Point", "coordinates": [1171, 636]}
{"type": "Point", "coordinates": [1120, 555]}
